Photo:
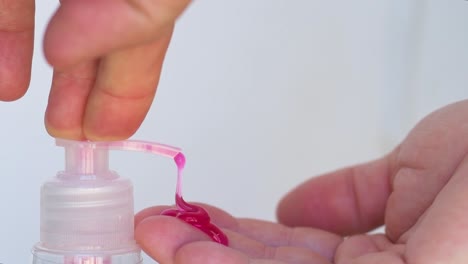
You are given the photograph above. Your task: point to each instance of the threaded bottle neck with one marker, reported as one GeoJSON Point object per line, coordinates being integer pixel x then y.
{"type": "Point", "coordinates": [85, 158]}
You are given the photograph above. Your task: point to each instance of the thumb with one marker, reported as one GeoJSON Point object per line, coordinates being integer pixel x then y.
{"type": "Point", "coordinates": [87, 29]}
{"type": "Point", "coordinates": [398, 188]}
{"type": "Point", "coordinates": [348, 201]}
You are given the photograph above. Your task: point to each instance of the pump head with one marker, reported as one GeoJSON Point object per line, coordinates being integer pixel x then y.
{"type": "Point", "coordinates": [87, 209]}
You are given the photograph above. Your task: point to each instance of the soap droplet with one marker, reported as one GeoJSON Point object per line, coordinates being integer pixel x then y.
{"type": "Point", "coordinates": [193, 214]}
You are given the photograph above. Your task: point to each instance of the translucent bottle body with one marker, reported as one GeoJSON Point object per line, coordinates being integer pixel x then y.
{"type": "Point", "coordinates": [86, 213]}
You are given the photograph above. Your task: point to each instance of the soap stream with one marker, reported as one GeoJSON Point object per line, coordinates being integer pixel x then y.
{"type": "Point", "coordinates": [190, 213]}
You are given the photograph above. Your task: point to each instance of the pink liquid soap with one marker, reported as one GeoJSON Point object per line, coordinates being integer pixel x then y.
{"type": "Point", "coordinates": [193, 214]}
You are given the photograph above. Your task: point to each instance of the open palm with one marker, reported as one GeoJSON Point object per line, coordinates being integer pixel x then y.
{"type": "Point", "coordinates": [169, 240]}
{"type": "Point", "coordinates": [417, 191]}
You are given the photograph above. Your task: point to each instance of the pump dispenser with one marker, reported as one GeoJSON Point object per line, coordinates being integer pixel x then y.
{"type": "Point", "coordinates": [86, 214]}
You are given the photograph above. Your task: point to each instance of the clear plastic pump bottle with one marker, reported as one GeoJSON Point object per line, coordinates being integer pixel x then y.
{"type": "Point", "coordinates": [86, 214]}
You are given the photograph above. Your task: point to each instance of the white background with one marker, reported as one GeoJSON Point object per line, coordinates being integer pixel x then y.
{"type": "Point", "coordinates": [261, 95]}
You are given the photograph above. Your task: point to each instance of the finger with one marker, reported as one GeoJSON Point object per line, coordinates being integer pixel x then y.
{"type": "Point", "coordinates": [161, 236]}
{"type": "Point", "coordinates": [124, 90]}
{"type": "Point", "coordinates": [148, 212]}
{"type": "Point", "coordinates": [346, 202]}
{"type": "Point", "coordinates": [169, 240]}
{"type": "Point", "coordinates": [207, 252]}
{"type": "Point", "coordinates": [16, 47]}
{"type": "Point", "coordinates": [88, 29]}
{"type": "Point", "coordinates": [67, 100]}
{"type": "Point", "coordinates": [218, 216]}
{"type": "Point", "coordinates": [276, 235]}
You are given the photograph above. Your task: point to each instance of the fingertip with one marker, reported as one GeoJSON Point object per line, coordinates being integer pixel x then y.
{"type": "Point", "coordinates": [11, 92]}
{"type": "Point", "coordinates": [93, 135]}
{"type": "Point", "coordinates": [15, 64]}
{"type": "Point", "coordinates": [72, 134]}
{"type": "Point", "coordinates": [162, 236]}
{"type": "Point", "coordinates": [67, 101]}
{"type": "Point", "coordinates": [320, 203]}
{"type": "Point", "coordinates": [107, 131]}
{"type": "Point", "coordinates": [217, 215]}
{"type": "Point", "coordinates": [148, 212]}
{"type": "Point", "coordinates": [14, 79]}
{"type": "Point", "coordinates": [14, 82]}
{"type": "Point", "coordinates": [149, 238]}
{"type": "Point", "coordinates": [109, 117]}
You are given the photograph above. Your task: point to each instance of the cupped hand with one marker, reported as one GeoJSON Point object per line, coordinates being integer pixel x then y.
{"type": "Point", "coordinates": [107, 57]}
{"type": "Point", "coordinates": [170, 240]}
{"type": "Point", "coordinates": [418, 192]}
